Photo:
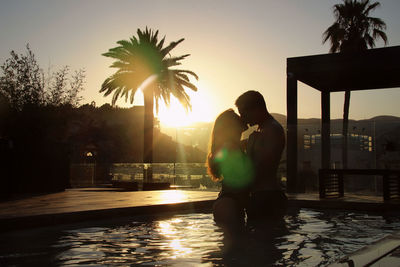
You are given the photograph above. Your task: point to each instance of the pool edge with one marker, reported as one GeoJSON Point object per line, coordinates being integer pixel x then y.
{"type": "Point", "coordinates": [17, 223]}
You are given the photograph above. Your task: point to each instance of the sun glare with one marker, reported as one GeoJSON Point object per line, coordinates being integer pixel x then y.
{"type": "Point", "coordinates": [176, 116]}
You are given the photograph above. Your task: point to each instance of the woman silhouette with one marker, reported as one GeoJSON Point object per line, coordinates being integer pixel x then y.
{"type": "Point", "coordinates": [228, 163]}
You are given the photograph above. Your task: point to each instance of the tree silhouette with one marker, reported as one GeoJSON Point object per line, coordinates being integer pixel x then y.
{"type": "Point", "coordinates": [23, 83]}
{"type": "Point", "coordinates": [144, 63]}
{"type": "Point", "coordinates": [353, 31]}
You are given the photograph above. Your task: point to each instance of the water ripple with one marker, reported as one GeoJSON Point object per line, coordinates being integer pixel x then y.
{"type": "Point", "coordinates": [304, 238]}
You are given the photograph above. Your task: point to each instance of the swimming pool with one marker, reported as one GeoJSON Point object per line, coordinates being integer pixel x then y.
{"type": "Point", "coordinates": [305, 237]}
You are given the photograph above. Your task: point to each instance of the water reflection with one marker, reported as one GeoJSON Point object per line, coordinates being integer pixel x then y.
{"type": "Point", "coordinates": [167, 229]}
{"type": "Point", "coordinates": [304, 238]}
{"type": "Point", "coordinates": [256, 246]}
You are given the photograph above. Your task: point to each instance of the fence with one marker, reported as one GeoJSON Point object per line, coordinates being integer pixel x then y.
{"type": "Point", "coordinates": [180, 174]}
{"type": "Point", "coordinates": [193, 175]}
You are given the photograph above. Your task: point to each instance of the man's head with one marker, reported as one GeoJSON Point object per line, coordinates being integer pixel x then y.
{"type": "Point", "coordinates": [252, 108]}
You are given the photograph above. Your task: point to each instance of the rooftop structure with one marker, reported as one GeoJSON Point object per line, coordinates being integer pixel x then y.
{"type": "Point", "coordinates": [366, 70]}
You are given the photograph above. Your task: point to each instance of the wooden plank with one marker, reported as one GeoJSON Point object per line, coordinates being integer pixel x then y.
{"type": "Point", "coordinates": [321, 178]}
{"type": "Point", "coordinates": [341, 185]}
{"type": "Point", "coordinates": [398, 185]}
{"type": "Point", "coordinates": [332, 180]}
{"type": "Point", "coordinates": [386, 191]}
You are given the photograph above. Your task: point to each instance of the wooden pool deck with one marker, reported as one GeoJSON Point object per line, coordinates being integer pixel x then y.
{"type": "Point", "coordinates": [75, 205]}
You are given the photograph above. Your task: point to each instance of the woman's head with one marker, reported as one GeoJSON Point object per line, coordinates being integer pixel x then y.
{"type": "Point", "coordinates": [227, 130]}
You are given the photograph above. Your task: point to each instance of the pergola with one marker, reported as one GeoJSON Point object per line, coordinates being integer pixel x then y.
{"type": "Point", "coordinates": [370, 69]}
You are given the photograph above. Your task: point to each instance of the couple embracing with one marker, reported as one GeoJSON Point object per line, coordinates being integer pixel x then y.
{"type": "Point", "coordinates": [247, 168]}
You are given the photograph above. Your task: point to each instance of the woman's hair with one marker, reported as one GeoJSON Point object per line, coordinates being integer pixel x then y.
{"type": "Point", "coordinates": [225, 132]}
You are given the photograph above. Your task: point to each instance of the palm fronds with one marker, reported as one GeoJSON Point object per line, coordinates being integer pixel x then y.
{"type": "Point", "coordinates": [354, 29]}
{"type": "Point", "coordinates": [139, 58]}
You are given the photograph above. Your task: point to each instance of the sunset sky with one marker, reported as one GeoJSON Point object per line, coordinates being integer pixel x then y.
{"type": "Point", "coordinates": [234, 45]}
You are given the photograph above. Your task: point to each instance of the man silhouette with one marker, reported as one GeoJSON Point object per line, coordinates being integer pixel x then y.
{"type": "Point", "coordinates": [264, 147]}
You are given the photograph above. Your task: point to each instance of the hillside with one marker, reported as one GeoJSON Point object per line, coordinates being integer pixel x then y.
{"type": "Point", "coordinates": [198, 134]}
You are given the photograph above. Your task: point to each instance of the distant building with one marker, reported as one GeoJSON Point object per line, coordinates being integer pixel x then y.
{"type": "Point", "coordinates": [372, 144]}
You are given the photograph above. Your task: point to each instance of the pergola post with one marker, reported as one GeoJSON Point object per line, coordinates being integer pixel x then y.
{"type": "Point", "coordinates": [325, 130]}
{"type": "Point", "coordinates": [336, 72]}
{"type": "Point", "coordinates": [291, 147]}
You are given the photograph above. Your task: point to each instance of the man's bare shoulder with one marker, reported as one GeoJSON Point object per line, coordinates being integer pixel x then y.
{"type": "Point", "coordinates": [273, 127]}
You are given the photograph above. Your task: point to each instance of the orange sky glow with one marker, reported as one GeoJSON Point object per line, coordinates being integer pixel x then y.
{"type": "Point", "coordinates": [235, 46]}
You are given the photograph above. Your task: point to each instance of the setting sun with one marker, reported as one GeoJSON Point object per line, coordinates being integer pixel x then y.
{"type": "Point", "coordinates": [176, 116]}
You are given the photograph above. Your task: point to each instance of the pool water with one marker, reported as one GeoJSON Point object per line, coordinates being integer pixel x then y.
{"type": "Point", "coordinates": [305, 237]}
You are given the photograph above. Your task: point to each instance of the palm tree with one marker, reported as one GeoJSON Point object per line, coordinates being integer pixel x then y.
{"type": "Point", "coordinates": [144, 63]}
{"type": "Point", "coordinates": [353, 31]}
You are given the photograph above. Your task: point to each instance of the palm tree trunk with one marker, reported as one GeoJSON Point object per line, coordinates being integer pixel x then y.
{"type": "Point", "coordinates": [148, 131]}
{"type": "Point", "coordinates": [345, 128]}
